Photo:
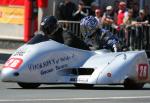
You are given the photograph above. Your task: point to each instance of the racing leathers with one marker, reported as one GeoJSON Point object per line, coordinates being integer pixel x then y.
{"type": "Point", "coordinates": [73, 41]}
{"type": "Point", "coordinates": [65, 37]}
{"type": "Point", "coordinates": [103, 39]}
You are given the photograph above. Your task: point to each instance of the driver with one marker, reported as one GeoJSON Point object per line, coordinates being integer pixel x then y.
{"type": "Point", "coordinates": [96, 37]}
{"type": "Point", "coordinates": [51, 30]}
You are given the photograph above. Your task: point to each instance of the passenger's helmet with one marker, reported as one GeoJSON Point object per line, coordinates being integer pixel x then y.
{"type": "Point", "coordinates": [88, 25]}
{"type": "Point", "coordinates": [48, 24]}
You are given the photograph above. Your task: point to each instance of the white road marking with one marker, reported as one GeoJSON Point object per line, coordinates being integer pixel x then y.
{"type": "Point", "coordinates": [75, 99]}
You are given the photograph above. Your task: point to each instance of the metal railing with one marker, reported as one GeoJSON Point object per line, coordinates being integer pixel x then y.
{"type": "Point", "coordinates": [135, 37]}
{"type": "Point", "coordinates": [73, 26]}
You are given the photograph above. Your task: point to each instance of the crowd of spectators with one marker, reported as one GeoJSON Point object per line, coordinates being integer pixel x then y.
{"type": "Point", "coordinates": [68, 10]}
{"type": "Point", "coordinates": [119, 16]}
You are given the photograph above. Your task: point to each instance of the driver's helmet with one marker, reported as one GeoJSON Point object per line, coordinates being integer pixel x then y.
{"type": "Point", "coordinates": [88, 26]}
{"type": "Point", "coordinates": [49, 24]}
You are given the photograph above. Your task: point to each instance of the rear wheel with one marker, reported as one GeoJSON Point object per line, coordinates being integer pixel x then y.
{"type": "Point", "coordinates": [131, 84]}
{"type": "Point", "coordinates": [29, 85]}
{"type": "Point", "coordinates": [84, 86]}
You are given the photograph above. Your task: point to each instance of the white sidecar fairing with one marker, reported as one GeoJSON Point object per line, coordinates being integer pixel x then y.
{"type": "Point", "coordinates": [51, 62]}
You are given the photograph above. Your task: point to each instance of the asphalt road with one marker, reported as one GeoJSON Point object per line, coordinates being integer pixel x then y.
{"type": "Point", "coordinates": [12, 93]}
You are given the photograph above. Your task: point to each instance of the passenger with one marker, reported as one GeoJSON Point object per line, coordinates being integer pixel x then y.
{"type": "Point", "coordinates": [51, 30]}
{"type": "Point", "coordinates": [96, 37]}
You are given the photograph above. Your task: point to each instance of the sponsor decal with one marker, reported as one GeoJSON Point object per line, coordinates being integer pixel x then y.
{"type": "Point", "coordinates": [109, 74]}
{"type": "Point", "coordinates": [55, 63]}
{"type": "Point", "coordinates": [13, 63]}
{"type": "Point", "coordinates": [39, 66]}
{"type": "Point", "coordinates": [58, 67]}
{"type": "Point", "coordinates": [44, 72]}
{"type": "Point", "coordinates": [81, 80]}
{"type": "Point", "coordinates": [12, 15]}
{"type": "Point", "coordinates": [142, 71]}
{"type": "Point", "coordinates": [19, 53]}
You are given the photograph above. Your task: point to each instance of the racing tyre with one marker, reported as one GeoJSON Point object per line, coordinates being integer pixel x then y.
{"type": "Point", "coordinates": [84, 86]}
{"type": "Point", "coordinates": [29, 85]}
{"type": "Point", "coordinates": [131, 84]}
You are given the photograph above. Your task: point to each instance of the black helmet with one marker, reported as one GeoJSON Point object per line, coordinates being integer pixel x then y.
{"type": "Point", "coordinates": [48, 24]}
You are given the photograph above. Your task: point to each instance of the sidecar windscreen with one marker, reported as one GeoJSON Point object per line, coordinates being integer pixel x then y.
{"type": "Point", "coordinates": [37, 39]}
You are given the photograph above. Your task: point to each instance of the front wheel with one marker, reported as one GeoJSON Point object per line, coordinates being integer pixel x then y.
{"type": "Point", "coordinates": [29, 85]}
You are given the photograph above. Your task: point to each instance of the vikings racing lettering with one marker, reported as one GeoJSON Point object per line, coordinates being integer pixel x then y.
{"type": "Point", "coordinates": [33, 67]}
{"type": "Point", "coordinates": [57, 63]}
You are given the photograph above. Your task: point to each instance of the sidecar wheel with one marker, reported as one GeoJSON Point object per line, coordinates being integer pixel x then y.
{"type": "Point", "coordinates": [130, 84]}
{"type": "Point", "coordinates": [29, 85]}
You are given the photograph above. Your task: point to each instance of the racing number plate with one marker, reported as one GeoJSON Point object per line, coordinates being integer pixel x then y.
{"type": "Point", "coordinates": [13, 63]}
{"type": "Point", "coordinates": [143, 71]}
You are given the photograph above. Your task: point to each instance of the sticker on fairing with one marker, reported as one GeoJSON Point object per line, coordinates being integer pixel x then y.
{"type": "Point", "coordinates": [13, 63]}
{"type": "Point", "coordinates": [142, 71]}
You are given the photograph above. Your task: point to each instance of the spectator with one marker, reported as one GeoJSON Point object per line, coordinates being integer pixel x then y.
{"type": "Point", "coordinates": [147, 29]}
{"type": "Point", "coordinates": [116, 6]}
{"type": "Point", "coordinates": [87, 2]}
{"type": "Point", "coordinates": [130, 4]}
{"type": "Point", "coordinates": [81, 12]}
{"type": "Point", "coordinates": [108, 18]}
{"type": "Point", "coordinates": [141, 26]}
{"type": "Point", "coordinates": [135, 8]}
{"type": "Point", "coordinates": [129, 19]}
{"type": "Point", "coordinates": [66, 10]}
{"type": "Point", "coordinates": [129, 23]}
{"type": "Point", "coordinates": [98, 16]}
{"type": "Point", "coordinates": [121, 13]}
{"type": "Point", "coordinates": [94, 6]}
{"type": "Point", "coordinates": [142, 19]}
{"type": "Point", "coordinates": [146, 9]}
